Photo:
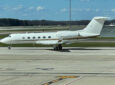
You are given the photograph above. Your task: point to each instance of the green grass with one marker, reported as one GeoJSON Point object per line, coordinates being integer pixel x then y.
{"type": "Point", "coordinates": [104, 38]}
{"type": "Point", "coordinates": [79, 44]}
{"type": "Point", "coordinates": [91, 44]}
{"type": "Point", "coordinates": [3, 35]}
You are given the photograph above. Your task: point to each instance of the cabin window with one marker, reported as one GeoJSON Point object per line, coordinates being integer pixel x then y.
{"type": "Point", "coordinates": [49, 36]}
{"type": "Point", "coordinates": [33, 37]}
{"type": "Point", "coordinates": [28, 37]}
{"type": "Point", "coordinates": [38, 37]}
{"type": "Point", "coordinates": [44, 37]}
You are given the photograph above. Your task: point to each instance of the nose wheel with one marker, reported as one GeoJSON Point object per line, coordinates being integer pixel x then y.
{"type": "Point", "coordinates": [58, 47]}
{"type": "Point", "coordinates": [9, 47]}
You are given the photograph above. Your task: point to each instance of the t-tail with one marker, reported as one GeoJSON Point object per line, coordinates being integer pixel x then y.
{"type": "Point", "coordinates": [94, 28]}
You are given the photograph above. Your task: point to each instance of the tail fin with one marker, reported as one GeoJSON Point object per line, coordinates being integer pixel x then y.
{"type": "Point", "coordinates": [95, 26]}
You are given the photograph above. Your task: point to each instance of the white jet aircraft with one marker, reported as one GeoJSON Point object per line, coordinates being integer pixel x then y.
{"type": "Point", "coordinates": [92, 30]}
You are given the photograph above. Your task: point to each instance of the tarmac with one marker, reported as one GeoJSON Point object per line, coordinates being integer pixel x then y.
{"type": "Point", "coordinates": [71, 66]}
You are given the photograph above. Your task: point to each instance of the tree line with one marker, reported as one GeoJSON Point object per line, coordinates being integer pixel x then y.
{"type": "Point", "coordinates": [17, 22]}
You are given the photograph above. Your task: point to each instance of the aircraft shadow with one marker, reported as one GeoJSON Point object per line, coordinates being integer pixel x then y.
{"type": "Point", "coordinates": [69, 49]}
{"type": "Point", "coordinates": [64, 50]}
{"type": "Point", "coordinates": [83, 49]}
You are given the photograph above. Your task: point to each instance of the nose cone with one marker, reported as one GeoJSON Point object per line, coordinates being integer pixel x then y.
{"type": "Point", "coordinates": [2, 41]}
{"type": "Point", "coordinates": [5, 40]}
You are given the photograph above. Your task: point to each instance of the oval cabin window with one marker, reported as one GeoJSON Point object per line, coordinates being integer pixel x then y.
{"type": "Point", "coordinates": [49, 36]}
{"type": "Point", "coordinates": [28, 37]}
{"type": "Point", "coordinates": [44, 37]}
{"type": "Point", "coordinates": [33, 37]}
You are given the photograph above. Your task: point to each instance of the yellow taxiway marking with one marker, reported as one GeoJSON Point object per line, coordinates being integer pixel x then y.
{"type": "Point", "coordinates": [59, 78]}
{"type": "Point", "coordinates": [67, 77]}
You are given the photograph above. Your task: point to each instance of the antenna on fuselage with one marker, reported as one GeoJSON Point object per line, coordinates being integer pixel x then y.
{"type": "Point", "coordinates": [70, 15]}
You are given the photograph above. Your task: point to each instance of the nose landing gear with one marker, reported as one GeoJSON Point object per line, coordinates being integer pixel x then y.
{"type": "Point", "coordinates": [9, 47]}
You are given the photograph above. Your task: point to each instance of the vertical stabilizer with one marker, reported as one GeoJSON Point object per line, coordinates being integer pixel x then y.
{"type": "Point", "coordinates": [95, 26]}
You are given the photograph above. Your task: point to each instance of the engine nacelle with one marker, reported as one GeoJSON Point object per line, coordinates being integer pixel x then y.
{"type": "Point", "coordinates": [67, 34]}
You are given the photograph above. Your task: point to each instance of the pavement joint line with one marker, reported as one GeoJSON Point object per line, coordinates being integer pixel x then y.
{"type": "Point", "coordinates": [59, 78]}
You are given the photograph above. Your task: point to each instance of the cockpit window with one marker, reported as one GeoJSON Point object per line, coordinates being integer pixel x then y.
{"type": "Point", "coordinates": [9, 36]}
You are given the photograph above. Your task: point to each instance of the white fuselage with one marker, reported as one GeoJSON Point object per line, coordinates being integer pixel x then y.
{"type": "Point", "coordinates": [48, 38]}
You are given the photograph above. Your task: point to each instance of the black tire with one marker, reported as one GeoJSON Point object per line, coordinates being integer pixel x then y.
{"type": "Point", "coordinates": [55, 48]}
{"type": "Point", "coordinates": [9, 47]}
{"type": "Point", "coordinates": [60, 47]}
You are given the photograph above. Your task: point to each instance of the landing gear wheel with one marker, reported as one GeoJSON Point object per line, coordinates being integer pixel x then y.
{"type": "Point", "coordinates": [9, 47]}
{"type": "Point", "coordinates": [55, 47]}
{"type": "Point", "coordinates": [60, 47]}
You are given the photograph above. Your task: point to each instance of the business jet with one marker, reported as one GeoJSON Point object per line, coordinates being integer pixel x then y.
{"type": "Point", "coordinates": [92, 30]}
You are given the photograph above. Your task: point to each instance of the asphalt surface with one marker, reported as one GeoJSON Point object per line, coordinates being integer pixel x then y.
{"type": "Point", "coordinates": [43, 66]}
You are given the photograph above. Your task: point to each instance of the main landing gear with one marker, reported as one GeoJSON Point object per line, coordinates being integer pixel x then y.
{"type": "Point", "coordinates": [58, 47]}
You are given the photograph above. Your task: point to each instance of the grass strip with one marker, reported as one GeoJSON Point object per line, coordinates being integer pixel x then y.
{"type": "Point", "coordinates": [78, 44]}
